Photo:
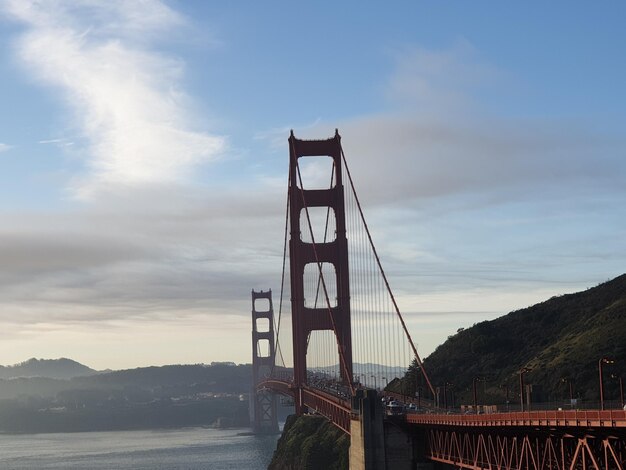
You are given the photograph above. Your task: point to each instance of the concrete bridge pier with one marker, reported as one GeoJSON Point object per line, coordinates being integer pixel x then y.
{"type": "Point", "coordinates": [379, 442]}
{"type": "Point", "coordinates": [367, 436]}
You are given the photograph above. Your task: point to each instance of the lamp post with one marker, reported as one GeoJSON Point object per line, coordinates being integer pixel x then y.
{"type": "Point", "coordinates": [621, 388]}
{"type": "Point", "coordinates": [386, 382]}
{"type": "Point", "coordinates": [602, 360]}
{"type": "Point", "coordinates": [522, 371]}
{"type": "Point", "coordinates": [474, 393]}
{"type": "Point", "coordinates": [419, 397]}
{"type": "Point", "coordinates": [374, 377]}
{"type": "Point", "coordinates": [505, 387]}
{"type": "Point", "coordinates": [571, 393]}
{"type": "Point", "coordinates": [417, 380]}
{"type": "Point", "coordinates": [450, 386]}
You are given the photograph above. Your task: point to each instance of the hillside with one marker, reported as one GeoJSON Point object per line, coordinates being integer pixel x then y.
{"type": "Point", "coordinates": [177, 395]}
{"type": "Point", "coordinates": [52, 368]}
{"type": "Point", "coordinates": [310, 442]}
{"type": "Point", "coordinates": [560, 339]}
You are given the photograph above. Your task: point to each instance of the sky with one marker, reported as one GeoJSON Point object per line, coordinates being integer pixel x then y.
{"type": "Point", "coordinates": [144, 158]}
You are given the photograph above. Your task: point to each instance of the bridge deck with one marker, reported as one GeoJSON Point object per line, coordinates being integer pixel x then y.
{"type": "Point", "coordinates": [337, 410]}
{"type": "Point", "coordinates": [569, 418]}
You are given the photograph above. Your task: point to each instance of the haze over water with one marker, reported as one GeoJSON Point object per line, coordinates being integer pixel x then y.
{"type": "Point", "coordinates": [173, 449]}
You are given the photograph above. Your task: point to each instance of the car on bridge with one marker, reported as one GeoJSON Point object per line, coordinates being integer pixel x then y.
{"type": "Point", "coordinates": [395, 408]}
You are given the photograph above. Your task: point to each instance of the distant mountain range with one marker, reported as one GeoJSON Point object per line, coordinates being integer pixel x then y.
{"type": "Point", "coordinates": [51, 368]}
{"type": "Point", "coordinates": [38, 396]}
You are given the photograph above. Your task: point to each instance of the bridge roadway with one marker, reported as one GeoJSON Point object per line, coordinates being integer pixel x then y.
{"type": "Point", "coordinates": [536, 419]}
{"type": "Point", "coordinates": [338, 411]}
{"type": "Point", "coordinates": [538, 440]}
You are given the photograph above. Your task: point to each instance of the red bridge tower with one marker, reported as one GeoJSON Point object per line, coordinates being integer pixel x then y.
{"type": "Point", "coordinates": [263, 402]}
{"type": "Point", "coordinates": [336, 316]}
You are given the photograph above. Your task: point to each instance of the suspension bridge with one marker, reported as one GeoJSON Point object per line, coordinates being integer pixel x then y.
{"type": "Point", "coordinates": [339, 338]}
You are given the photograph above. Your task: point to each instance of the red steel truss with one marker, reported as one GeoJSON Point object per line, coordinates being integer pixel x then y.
{"type": "Point", "coordinates": [568, 419]}
{"type": "Point", "coordinates": [537, 440]}
{"type": "Point", "coordinates": [335, 409]}
{"type": "Point", "coordinates": [526, 449]}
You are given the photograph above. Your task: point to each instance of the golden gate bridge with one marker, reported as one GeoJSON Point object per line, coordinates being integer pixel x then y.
{"type": "Point", "coordinates": [341, 337]}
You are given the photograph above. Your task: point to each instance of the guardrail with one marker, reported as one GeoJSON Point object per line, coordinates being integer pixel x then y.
{"type": "Point", "coordinates": [569, 418]}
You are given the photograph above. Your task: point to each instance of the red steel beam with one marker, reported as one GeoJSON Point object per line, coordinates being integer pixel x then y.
{"type": "Point", "coordinates": [548, 419]}
{"type": "Point", "coordinates": [337, 411]}
{"type": "Point", "coordinates": [530, 450]}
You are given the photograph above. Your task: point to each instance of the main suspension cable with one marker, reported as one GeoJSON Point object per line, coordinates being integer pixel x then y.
{"type": "Point", "coordinates": [282, 282]}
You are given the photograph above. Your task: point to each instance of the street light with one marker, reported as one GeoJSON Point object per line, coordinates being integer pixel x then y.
{"type": "Point", "coordinates": [475, 396]}
{"type": "Point", "coordinates": [602, 360]}
{"type": "Point", "coordinates": [449, 386]}
{"type": "Point", "coordinates": [522, 371]}
{"type": "Point", "coordinates": [621, 388]}
{"type": "Point", "coordinates": [571, 394]}
{"type": "Point", "coordinates": [386, 383]}
{"type": "Point", "coordinates": [505, 387]}
{"type": "Point", "coordinates": [374, 377]}
{"type": "Point", "coordinates": [474, 393]}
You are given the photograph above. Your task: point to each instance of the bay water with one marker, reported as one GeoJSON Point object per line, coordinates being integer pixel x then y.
{"type": "Point", "coordinates": [166, 449]}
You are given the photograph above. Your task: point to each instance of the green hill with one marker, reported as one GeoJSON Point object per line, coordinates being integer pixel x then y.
{"type": "Point", "coordinates": [560, 339]}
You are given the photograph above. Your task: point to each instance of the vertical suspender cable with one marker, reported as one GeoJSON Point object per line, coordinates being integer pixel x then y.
{"type": "Point", "coordinates": [406, 331]}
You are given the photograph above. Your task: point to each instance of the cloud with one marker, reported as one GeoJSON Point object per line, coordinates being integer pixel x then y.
{"type": "Point", "coordinates": [124, 96]}
{"type": "Point", "coordinates": [150, 250]}
{"type": "Point", "coordinates": [4, 147]}
{"type": "Point", "coordinates": [437, 142]}
{"type": "Point", "coordinates": [163, 256]}
{"type": "Point", "coordinates": [62, 142]}
{"type": "Point", "coordinates": [458, 198]}
{"type": "Point", "coordinates": [412, 158]}
{"type": "Point", "coordinates": [438, 82]}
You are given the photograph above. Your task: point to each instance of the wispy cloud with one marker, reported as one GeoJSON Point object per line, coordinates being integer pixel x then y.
{"type": "Point", "coordinates": [459, 198]}
{"type": "Point", "coordinates": [124, 95]}
{"type": "Point", "coordinates": [4, 147]}
{"type": "Point", "coordinates": [438, 82]}
{"type": "Point", "coordinates": [58, 142]}
{"type": "Point", "coordinates": [436, 141]}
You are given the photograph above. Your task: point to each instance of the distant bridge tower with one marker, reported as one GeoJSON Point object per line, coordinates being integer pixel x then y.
{"type": "Point", "coordinates": [263, 402]}
{"type": "Point", "coordinates": [335, 317]}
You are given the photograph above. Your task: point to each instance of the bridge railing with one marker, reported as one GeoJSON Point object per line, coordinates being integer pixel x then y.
{"type": "Point", "coordinates": [555, 418]}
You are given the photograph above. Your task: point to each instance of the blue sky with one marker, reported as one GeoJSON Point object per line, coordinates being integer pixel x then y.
{"type": "Point", "coordinates": [143, 161]}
